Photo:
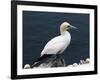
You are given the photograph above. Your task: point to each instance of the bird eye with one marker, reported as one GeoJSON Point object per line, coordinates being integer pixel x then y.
{"type": "Point", "coordinates": [68, 26]}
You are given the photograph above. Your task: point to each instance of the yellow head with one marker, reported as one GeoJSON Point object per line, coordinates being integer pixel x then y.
{"type": "Point", "coordinates": [65, 26]}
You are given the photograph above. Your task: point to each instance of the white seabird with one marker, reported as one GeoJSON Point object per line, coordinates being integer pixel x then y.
{"type": "Point", "coordinates": [58, 44]}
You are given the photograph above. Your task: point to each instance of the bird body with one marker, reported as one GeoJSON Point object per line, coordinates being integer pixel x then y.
{"type": "Point", "coordinates": [57, 45]}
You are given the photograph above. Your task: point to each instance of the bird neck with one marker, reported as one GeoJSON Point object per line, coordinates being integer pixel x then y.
{"type": "Point", "coordinates": [64, 32]}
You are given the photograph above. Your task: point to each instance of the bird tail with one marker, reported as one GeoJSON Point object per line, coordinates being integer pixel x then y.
{"type": "Point", "coordinates": [38, 61]}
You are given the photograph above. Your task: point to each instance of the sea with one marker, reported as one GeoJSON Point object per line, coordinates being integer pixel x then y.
{"type": "Point", "coordinates": [40, 27]}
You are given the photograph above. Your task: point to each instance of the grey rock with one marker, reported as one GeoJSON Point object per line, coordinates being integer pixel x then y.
{"type": "Point", "coordinates": [54, 61]}
{"type": "Point", "coordinates": [75, 64]}
{"type": "Point", "coordinates": [27, 66]}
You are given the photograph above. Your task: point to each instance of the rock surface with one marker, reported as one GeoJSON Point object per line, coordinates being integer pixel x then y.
{"type": "Point", "coordinates": [55, 61]}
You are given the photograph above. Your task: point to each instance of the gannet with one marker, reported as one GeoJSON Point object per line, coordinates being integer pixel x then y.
{"type": "Point", "coordinates": [58, 44]}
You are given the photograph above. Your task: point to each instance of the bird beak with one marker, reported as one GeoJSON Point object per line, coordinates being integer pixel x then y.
{"type": "Point", "coordinates": [73, 27]}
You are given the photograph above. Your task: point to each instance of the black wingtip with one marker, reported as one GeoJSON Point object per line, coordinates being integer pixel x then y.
{"type": "Point", "coordinates": [37, 62]}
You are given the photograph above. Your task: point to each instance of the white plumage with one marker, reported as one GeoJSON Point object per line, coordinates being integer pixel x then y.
{"type": "Point", "coordinates": [58, 44]}
{"type": "Point", "coordinates": [55, 46]}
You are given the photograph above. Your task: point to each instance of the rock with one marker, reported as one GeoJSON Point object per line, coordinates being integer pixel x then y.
{"type": "Point", "coordinates": [27, 66]}
{"type": "Point", "coordinates": [75, 64]}
{"type": "Point", "coordinates": [87, 60]}
{"type": "Point", "coordinates": [54, 61]}
{"type": "Point", "coordinates": [70, 66]}
{"type": "Point", "coordinates": [82, 62]}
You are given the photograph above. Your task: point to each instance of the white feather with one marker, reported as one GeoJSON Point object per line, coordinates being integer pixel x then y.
{"type": "Point", "coordinates": [57, 44]}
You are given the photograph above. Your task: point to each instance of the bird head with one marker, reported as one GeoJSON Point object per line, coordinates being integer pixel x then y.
{"type": "Point", "coordinates": [66, 26]}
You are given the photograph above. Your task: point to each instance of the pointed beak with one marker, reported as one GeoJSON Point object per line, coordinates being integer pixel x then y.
{"type": "Point", "coordinates": [73, 27]}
